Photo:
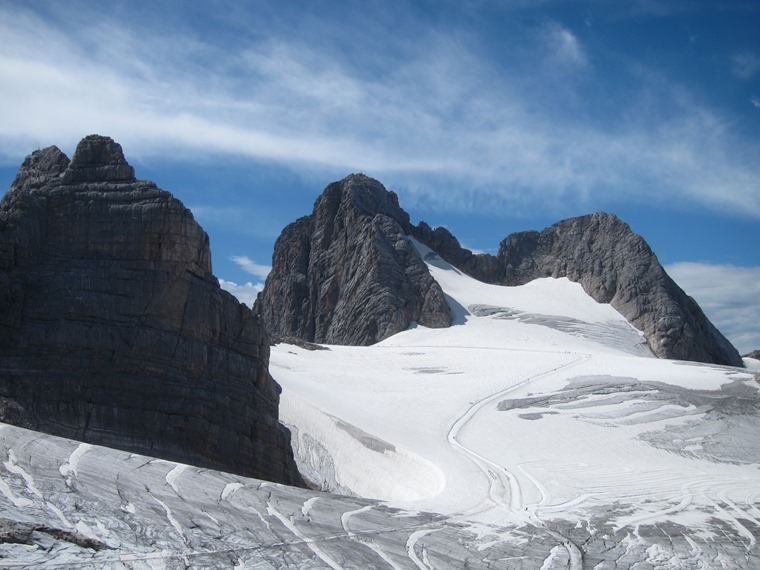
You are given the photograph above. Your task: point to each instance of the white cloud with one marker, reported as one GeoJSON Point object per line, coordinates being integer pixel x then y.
{"type": "Point", "coordinates": [728, 295]}
{"type": "Point", "coordinates": [249, 266]}
{"type": "Point", "coordinates": [755, 101]}
{"type": "Point", "coordinates": [431, 117]}
{"type": "Point", "coordinates": [246, 293]}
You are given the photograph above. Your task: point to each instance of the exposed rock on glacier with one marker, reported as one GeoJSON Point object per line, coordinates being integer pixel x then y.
{"type": "Point", "coordinates": [347, 274]}
{"type": "Point", "coordinates": [614, 265]}
{"type": "Point", "coordinates": [114, 330]}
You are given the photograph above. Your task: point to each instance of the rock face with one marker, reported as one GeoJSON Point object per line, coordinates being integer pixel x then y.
{"type": "Point", "coordinates": [614, 265]}
{"type": "Point", "coordinates": [347, 274]}
{"type": "Point", "coordinates": [115, 332]}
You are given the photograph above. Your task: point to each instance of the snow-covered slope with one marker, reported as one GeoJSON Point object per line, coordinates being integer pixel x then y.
{"type": "Point", "coordinates": [538, 432]}
{"type": "Point", "coordinates": [540, 409]}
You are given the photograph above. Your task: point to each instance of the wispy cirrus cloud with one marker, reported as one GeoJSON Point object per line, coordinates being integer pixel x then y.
{"type": "Point", "coordinates": [428, 113]}
{"type": "Point", "coordinates": [728, 295]}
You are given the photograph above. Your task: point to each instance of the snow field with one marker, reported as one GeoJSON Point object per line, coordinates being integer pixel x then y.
{"type": "Point", "coordinates": [582, 430]}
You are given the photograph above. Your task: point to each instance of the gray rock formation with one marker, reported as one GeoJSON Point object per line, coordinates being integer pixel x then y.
{"type": "Point", "coordinates": [482, 266]}
{"type": "Point", "coordinates": [754, 354]}
{"type": "Point", "coordinates": [614, 265]}
{"type": "Point", "coordinates": [347, 274]}
{"type": "Point", "coordinates": [115, 332]}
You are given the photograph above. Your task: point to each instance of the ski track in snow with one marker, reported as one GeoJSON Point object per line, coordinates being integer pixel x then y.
{"type": "Point", "coordinates": [496, 473]}
{"type": "Point", "coordinates": [520, 482]}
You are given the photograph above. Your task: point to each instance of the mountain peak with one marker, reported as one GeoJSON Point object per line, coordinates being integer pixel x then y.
{"type": "Point", "coordinates": [117, 331]}
{"type": "Point", "coordinates": [98, 159]}
{"type": "Point", "coordinates": [347, 274]}
{"type": "Point", "coordinates": [614, 265]}
{"type": "Point", "coordinates": [359, 194]}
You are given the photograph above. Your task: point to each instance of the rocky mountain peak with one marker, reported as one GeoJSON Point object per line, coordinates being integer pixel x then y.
{"type": "Point", "coordinates": [347, 274]}
{"type": "Point", "coordinates": [98, 159]}
{"type": "Point", "coordinates": [359, 195]}
{"type": "Point", "coordinates": [39, 167]}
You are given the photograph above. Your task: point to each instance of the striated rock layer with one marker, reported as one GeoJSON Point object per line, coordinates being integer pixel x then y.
{"type": "Point", "coordinates": [115, 332]}
{"type": "Point", "coordinates": [614, 265]}
{"type": "Point", "coordinates": [347, 274]}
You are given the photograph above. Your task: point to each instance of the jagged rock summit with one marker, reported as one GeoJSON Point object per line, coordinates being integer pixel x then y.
{"type": "Point", "coordinates": [114, 330]}
{"type": "Point", "coordinates": [347, 274]}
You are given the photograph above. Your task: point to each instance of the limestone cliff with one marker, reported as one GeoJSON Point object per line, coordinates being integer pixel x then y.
{"type": "Point", "coordinates": [114, 330]}
{"type": "Point", "coordinates": [347, 274]}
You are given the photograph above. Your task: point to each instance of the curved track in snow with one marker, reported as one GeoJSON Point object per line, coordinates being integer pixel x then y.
{"type": "Point", "coordinates": [504, 487]}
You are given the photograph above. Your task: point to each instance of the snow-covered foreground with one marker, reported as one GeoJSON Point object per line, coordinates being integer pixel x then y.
{"type": "Point", "coordinates": [541, 409]}
{"type": "Point", "coordinates": [538, 432]}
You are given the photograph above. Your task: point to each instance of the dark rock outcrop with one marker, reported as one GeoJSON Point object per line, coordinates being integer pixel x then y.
{"type": "Point", "coordinates": [347, 274]}
{"type": "Point", "coordinates": [614, 265]}
{"type": "Point", "coordinates": [482, 266]}
{"type": "Point", "coordinates": [115, 332]}
{"type": "Point", "coordinates": [754, 354]}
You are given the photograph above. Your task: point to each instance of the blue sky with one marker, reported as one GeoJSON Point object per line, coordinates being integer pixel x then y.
{"type": "Point", "coordinates": [485, 117]}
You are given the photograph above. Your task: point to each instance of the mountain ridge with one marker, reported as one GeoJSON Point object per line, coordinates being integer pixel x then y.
{"type": "Point", "coordinates": [601, 252]}
{"type": "Point", "coordinates": [540, 432]}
